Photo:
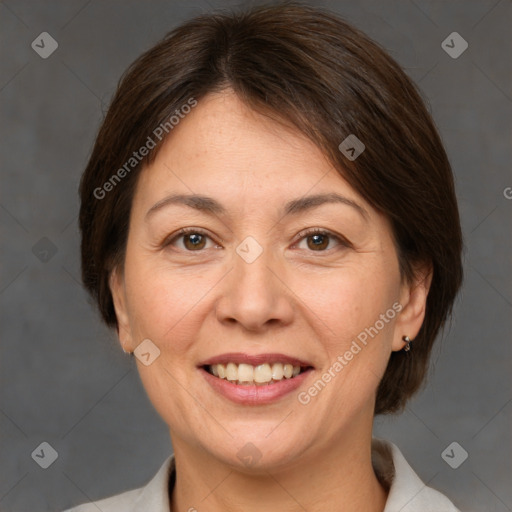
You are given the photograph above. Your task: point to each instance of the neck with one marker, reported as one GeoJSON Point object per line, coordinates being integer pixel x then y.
{"type": "Point", "coordinates": [339, 477]}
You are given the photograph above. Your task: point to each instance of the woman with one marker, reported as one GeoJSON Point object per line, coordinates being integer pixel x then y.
{"type": "Point", "coordinates": [269, 220]}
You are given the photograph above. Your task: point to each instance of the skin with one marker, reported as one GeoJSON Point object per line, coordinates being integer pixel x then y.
{"type": "Point", "coordinates": [293, 299]}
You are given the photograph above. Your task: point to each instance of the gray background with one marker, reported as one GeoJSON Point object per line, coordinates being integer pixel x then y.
{"type": "Point", "coordinates": [64, 379]}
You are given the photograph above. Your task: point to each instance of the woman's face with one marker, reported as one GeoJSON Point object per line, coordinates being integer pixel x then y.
{"type": "Point", "coordinates": [252, 278]}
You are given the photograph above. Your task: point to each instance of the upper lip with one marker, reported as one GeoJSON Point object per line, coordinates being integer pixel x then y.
{"type": "Point", "coordinates": [254, 360]}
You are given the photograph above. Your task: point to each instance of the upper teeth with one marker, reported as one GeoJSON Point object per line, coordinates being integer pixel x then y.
{"type": "Point", "coordinates": [261, 374]}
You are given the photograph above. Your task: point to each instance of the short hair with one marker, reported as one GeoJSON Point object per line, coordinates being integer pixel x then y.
{"type": "Point", "coordinates": [310, 69]}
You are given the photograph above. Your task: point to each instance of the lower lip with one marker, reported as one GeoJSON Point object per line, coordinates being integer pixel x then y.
{"type": "Point", "coordinates": [253, 394]}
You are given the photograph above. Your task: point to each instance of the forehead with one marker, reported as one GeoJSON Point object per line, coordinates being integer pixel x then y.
{"type": "Point", "coordinates": [224, 149]}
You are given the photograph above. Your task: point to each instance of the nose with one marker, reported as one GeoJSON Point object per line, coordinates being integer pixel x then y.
{"type": "Point", "coordinates": [255, 296]}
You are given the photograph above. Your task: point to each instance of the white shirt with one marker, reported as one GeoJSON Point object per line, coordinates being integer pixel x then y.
{"type": "Point", "coordinates": [407, 493]}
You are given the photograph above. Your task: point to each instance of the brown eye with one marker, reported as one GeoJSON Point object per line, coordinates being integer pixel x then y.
{"type": "Point", "coordinates": [191, 240]}
{"type": "Point", "coordinates": [318, 242]}
{"type": "Point", "coordinates": [194, 241]}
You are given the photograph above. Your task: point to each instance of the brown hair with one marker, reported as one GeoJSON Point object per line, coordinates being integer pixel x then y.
{"type": "Point", "coordinates": [308, 68]}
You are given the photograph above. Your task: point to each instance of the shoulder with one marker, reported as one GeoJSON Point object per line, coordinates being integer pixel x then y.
{"type": "Point", "coordinates": [153, 497]}
{"type": "Point", "coordinates": [117, 503]}
{"type": "Point", "coordinates": [407, 492]}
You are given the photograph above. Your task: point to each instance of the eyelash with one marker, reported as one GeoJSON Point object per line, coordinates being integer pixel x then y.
{"type": "Point", "coordinates": [186, 231]}
{"type": "Point", "coordinates": [302, 235]}
{"type": "Point", "coordinates": [318, 231]}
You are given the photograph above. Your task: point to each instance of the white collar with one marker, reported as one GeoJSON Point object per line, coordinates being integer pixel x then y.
{"type": "Point", "coordinates": [407, 493]}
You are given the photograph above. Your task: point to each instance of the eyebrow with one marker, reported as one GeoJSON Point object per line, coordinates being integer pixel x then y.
{"type": "Point", "coordinates": [201, 203]}
{"type": "Point", "coordinates": [213, 207]}
{"type": "Point", "coordinates": [306, 203]}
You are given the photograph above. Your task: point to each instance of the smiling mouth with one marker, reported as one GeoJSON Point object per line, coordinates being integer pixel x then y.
{"type": "Point", "coordinates": [260, 375]}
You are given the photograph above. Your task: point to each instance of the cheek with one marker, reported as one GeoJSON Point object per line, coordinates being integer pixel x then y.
{"type": "Point", "coordinates": [351, 304]}
{"type": "Point", "coordinates": [353, 299]}
{"type": "Point", "coordinates": [164, 303]}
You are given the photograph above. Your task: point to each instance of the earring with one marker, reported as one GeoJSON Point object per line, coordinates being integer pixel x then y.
{"type": "Point", "coordinates": [408, 341]}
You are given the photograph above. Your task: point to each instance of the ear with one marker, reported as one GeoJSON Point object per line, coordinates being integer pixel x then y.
{"type": "Point", "coordinates": [118, 291]}
{"type": "Point", "coordinates": [413, 298]}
